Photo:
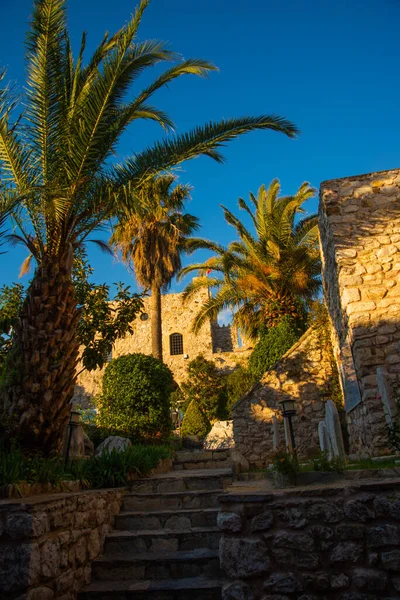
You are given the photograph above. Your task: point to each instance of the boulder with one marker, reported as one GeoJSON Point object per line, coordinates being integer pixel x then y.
{"type": "Point", "coordinates": [114, 442]}
{"type": "Point", "coordinates": [220, 436]}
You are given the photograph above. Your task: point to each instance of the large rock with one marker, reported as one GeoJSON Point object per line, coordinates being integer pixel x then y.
{"type": "Point", "coordinates": [81, 445]}
{"type": "Point", "coordinates": [237, 590]}
{"type": "Point", "coordinates": [220, 436]}
{"type": "Point", "coordinates": [114, 442]}
{"type": "Point", "coordinates": [243, 557]}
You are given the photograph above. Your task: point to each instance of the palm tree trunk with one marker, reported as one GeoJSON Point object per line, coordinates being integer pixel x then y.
{"type": "Point", "coordinates": [156, 323]}
{"type": "Point", "coordinates": [42, 361]}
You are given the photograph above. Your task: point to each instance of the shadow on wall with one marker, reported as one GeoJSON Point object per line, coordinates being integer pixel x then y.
{"type": "Point", "coordinates": [305, 374]}
{"type": "Point", "coordinates": [360, 239]}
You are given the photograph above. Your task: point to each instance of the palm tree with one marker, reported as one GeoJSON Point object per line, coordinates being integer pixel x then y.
{"type": "Point", "coordinates": [151, 239]}
{"type": "Point", "coordinates": [264, 276]}
{"type": "Point", "coordinates": [57, 161]}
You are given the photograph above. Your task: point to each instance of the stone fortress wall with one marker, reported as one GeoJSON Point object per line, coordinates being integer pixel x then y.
{"type": "Point", "coordinates": [214, 342]}
{"type": "Point", "coordinates": [360, 240]}
{"type": "Point", "coordinates": [303, 374]}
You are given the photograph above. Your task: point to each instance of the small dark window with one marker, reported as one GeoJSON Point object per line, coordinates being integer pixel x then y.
{"type": "Point", "coordinates": [175, 344]}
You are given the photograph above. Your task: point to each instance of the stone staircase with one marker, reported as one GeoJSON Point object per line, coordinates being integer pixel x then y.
{"type": "Point", "coordinates": [165, 542]}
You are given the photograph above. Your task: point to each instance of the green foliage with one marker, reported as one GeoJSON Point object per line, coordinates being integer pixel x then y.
{"type": "Point", "coordinates": [11, 299]}
{"type": "Point", "coordinates": [285, 463]}
{"type": "Point", "coordinates": [238, 383]}
{"type": "Point", "coordinates": [136, 396]}
{"type": "Point", "coordinates": [112, 469]}
{"type": "Point", "coordinates": [318, 319]}
{"type": "Point", "coordinates": [206, 385]}
{"type": "Point", "coordinates": [323, 463]}
{"type": "Point", "coordinates": [101, 322]}
{"type": "Point", "coordinates": [272, 345]}
{"type": "Point", "coordinates": [195, 422]}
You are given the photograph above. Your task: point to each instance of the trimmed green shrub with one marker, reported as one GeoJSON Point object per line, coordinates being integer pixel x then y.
{"type": "Point", "coordinates": [273, 345]}
{"type": "Point", "coordinates": [238, 383]}
{"type": "Point", "coordinates": [206, 385]}
{"type": "Point", "coordinates": [136, 397]}
{"type": "Point", "coordinates": [195, 422]}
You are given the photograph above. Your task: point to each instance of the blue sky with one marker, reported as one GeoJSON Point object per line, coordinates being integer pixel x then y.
{"type": "Point", "coordinates": [329, 66]}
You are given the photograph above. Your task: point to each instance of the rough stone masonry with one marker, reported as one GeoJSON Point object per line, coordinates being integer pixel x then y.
{"type": "Point", "coordinates": [359, 224]}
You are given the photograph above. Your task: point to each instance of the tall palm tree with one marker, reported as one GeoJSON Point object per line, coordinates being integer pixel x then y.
{"type": "Point", "coordinates": [151, 238]}
{"type": "Point", "coordinates": [57, 158]}
{"type": "Point", "coordinates": [264, 275]}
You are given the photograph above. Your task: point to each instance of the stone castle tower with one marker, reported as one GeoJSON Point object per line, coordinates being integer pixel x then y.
{"type": "Point", "coordinates": [220, 343]}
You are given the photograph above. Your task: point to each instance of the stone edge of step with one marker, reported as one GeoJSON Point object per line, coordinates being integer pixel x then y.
{"type": "Point", "coordinates": [199, 554]}
{"type": "Point", "coordinates": [190, 583]}
{"type": "Point", "coordinates": [123, 535]}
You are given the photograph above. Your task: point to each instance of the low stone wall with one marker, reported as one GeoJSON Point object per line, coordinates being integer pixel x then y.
{"type": "Point", "coordinates": [47, 543]}
{"type": "Point", "coordinates": [312, 543]}
{"type": "Point", "coordinates": [304, 374]}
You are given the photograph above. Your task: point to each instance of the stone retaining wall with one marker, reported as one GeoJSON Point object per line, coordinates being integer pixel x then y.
{"type": "Point", "coordinates": [47, 543]}
{"type": "Point", "coordinates": [305, 374]}
{"type": "Point", "coordinates": [359, 225]}
{"type": "Point", "coordinates": [325, 543]}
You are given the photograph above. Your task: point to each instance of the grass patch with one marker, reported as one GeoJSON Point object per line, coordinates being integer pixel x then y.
{"type": "Point", "coordinates": [114, 469]}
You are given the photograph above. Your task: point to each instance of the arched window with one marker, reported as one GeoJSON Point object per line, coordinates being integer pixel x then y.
{"type": "Point", "coordinates": [176, 344]}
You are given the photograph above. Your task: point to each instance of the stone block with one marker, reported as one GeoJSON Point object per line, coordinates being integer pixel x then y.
{"type": "Point", "coordinates": [237, 590]}
{"type": "Point", "coordinates": [357, 510]}
{"type": "Point", "coordinates": [229, 521]}
{"type": "Point", "coordinates": [323, 536]}
{"type": "Point", "coordinates": [293, 541]}
{"type": "Point", "coordinates": [339, 581]}
{"type": "Point", "coordinates": [294, 559]}
{"type": "Point", "coordinates": [50, 558]}
{"type": "Point", "coordinates": [262, 521]}
{"type": "Point", "coordinates": [391, 560]}
{"type": "Point", "coordinates": [346, 552]}
{"type": "Point", "coordinates": [383, 535]}
{"type": "Point", "coordinates": [370, 580]}
{"type": "Point", "coordinates": [325, 511]}
{"type": "Point", "coordinates": [293, 517]}
{"type": "Point", "coordinates": [349, 532]}
{"type": "Point", "coordinates": [243, 557]}
{"type": "Point", "coordinates": [19, 566]}
{"type": "Point", "coordinates": [40, 593]}
{"type": "Point", "coordinates": [286, 583]}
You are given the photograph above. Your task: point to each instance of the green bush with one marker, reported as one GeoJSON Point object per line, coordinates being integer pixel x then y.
{"type": "Point", "coordinates": [238, 383]}
{"type": "Point", "coordinates": [206, 385]}
{"type": "Point", "coordinates": [272, 346]}
{"type": "Point", "coordinates": [195, 422]}
{"type": "Point", "coordinates": [136, 396]}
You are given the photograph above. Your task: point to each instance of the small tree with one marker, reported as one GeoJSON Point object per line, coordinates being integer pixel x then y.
{"type": "Point", "coordinates": [195, 422]}
{"type": "Point", "coordinates": [206, 385]}
{"type": "Point", "coordinates": [272, 345]}
{"type": "Point", "coordinates": [136, 396]}
{"type": "Point", "coordinates": [238, 383]}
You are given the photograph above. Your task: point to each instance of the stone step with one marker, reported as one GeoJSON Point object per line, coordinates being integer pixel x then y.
{"type": "Point", "coordinates": [175, 481]}
{"type": "Point", "coordinates": [168, 540]}
{"type": "Point", "coordinates": [201, 455]}
{"type": "Point", "coordinates": [157, 565]}
{"type": "Point", "coordinates": [184, 465]}
{"type": "Point", "coordinates": [197, 588]}
{"type": "Point", "coordinates": [166, 519]}
{"type": "Point", "coordinates": [174, 500]}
